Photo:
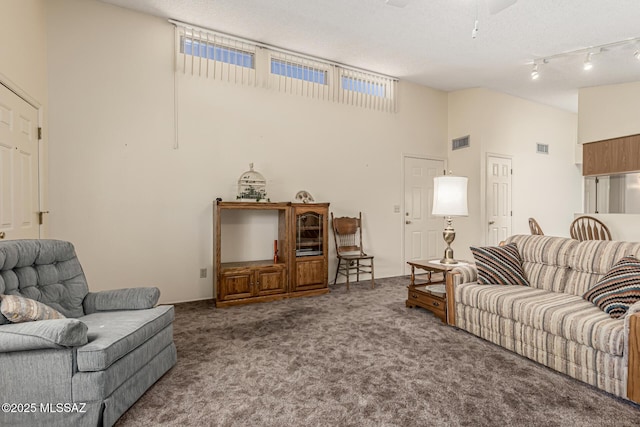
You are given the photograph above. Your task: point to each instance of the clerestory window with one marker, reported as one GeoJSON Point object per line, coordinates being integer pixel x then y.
{"type": "Point", "coordinates": [207, 50]}
{"type": "Point", "coordinates": [298, 71]}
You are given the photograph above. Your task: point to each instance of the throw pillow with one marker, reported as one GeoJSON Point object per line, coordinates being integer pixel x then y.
{"type": "Point", "coordinates": [618, 289]}
{"type": "Point", "coordinates": [20, 309]}
{"type": "Point", "coordinates": [499, 265]}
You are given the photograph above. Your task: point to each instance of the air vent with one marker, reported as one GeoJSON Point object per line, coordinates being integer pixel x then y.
{"type": "Point", "coordinates": [542, 148]}
{"type": "Point", "coordinates": [459, 143]}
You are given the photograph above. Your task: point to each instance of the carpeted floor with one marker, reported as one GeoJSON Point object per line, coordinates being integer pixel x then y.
{"type": "Point", "coordinates": [356, 359]}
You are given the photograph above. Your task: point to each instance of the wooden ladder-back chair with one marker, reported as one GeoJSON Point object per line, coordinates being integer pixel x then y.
{"type": "Point", "coordinates": [347, 234]}
{"type": "Point", "coordinates": [535, 227]}
{"type": "Point", "coordinates": [589, 228]}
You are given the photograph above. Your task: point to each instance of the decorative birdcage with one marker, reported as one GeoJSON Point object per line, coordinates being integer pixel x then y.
{"type": "Point", "coordinates": [252, 187]}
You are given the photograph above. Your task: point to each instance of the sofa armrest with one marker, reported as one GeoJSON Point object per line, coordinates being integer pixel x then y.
{"type": "Point", "coordinates": [467, 273]}
{"type": "Point", "coordinates": [632, 351]}
{"type": "Point", "coordinates": [121, 299]}
{"type": "Point", "coordinates": [461, 274]}
{"type": "Point", "coordinates": [42, 334]}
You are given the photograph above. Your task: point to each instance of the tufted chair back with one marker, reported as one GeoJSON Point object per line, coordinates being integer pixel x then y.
{"type": "Point", "coordinates": [44, 270]}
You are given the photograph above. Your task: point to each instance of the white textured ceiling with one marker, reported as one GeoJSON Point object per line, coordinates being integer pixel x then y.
{"type": "Point", "coordinates": [429, 41]}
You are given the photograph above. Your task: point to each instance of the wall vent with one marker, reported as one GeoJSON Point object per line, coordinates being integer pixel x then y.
{"type": "Point", "coordinates": [542, 148]}
{"type": "Point", "coordinates": [459, 143]}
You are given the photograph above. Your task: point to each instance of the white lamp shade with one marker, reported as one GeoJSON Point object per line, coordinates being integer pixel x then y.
{"type": "Point", "coordinates": [450, 196]}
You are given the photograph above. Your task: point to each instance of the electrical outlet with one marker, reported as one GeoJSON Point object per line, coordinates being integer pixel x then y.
{"type": "Point", "coordinates": [203, 273]}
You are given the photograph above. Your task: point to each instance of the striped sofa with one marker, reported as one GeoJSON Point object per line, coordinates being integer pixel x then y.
{"type": "Point", "coordinates": [549, 321]}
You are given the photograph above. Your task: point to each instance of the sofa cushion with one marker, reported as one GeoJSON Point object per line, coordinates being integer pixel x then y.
{"type": "Point", "coordinates": [619, 289]}
{"type": "Point", "coordinates": [592, 259]}
{"type": "Point", "coordinates": [113, 334]}
{"type": "Point", "coordinates": [99, 385]}
{"type": "Point", "coordinates": [585, 363]}
{"type": "Point", "coordinates": [499, 265]}
{"type": "Point", "coordinates": [545, 260]}
{"type": "Point", "coordinates": [19, 309]}
{"type": "Point", "coordinates": [495, 299]}
{"type": "Point", "coordinates": [563, 315]}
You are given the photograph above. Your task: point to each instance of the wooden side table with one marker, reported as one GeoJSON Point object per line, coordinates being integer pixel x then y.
{"type": "Point", "coordinates": [430, 297]}
{"type": "Point", "coordinates": [432, 294]}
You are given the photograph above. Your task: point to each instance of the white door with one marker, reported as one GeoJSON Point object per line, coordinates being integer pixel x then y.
{"type": "Point", "coordinates": [19, 184]}
{"type": "Point", "coordinates": [422, 231]}
{"type": "Point", "coordinates": [498, 199]}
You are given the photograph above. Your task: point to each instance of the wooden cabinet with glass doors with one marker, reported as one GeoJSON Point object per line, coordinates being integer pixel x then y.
{"type": "Point", "coordinates": [309, 271]}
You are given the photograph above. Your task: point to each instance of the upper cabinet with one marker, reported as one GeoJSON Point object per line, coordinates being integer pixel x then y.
{"type": "Point", "coordinates": [612, 156]}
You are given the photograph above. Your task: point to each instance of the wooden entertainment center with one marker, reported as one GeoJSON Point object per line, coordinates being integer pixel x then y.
{"type": "Point", "coordinates": [301, 266]}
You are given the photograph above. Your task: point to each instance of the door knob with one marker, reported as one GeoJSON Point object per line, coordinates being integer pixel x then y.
{"type": "Point", "coordinates": [491, 222]}
{"type": "Point", "coordinates": [2, 235]}
{"type": "Point", "coordinates": [407, 222]}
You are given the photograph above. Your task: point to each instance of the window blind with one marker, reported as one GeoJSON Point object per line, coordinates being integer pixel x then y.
{"type": "Point", "coordinates": [300, 76]}
{"type": "Point", "coordinates": [367, 90]}
{"type": "Point", "coordinates": [205, 54]}
{"type": "Point", "coordinates": [209, 54]}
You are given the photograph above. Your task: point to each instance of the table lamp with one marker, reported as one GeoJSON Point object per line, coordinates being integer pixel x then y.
{"type": "Point", "coordinates": [449, 200]}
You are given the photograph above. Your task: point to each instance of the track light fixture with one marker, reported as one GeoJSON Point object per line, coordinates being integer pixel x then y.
{"type": "Point", "coordinates": [535, 75]}
{"type": "Point", "coordinates": [587, 65]}
{"type": "Point", "coordinates": [474, 32]}
{"type": "Point", "coordinates": [589, 52]}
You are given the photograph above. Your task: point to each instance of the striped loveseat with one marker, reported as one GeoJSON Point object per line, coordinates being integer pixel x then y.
{"type": "Point", "coordinates": [549, 321]}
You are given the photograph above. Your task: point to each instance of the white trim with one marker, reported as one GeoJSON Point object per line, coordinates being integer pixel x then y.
{"type": "Point", "coordinates": [176, 44]}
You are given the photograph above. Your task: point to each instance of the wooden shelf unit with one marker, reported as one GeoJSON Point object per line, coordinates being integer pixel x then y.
{"type": "Point", "coordinates": [244, 282]}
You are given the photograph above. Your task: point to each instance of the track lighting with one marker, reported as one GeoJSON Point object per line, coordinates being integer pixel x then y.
{"type": "Point", "coordinates": [587, 62]}
{"type": "Point", "coordinates": [603, 50]}
{"type": "Point", "coordinates": [535, 75]}
{"type": "Point", "coordinates": [474, 32]}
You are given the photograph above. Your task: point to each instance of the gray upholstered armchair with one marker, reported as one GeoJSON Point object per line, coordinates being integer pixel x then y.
{"type": "Point", "coordinates": [87, 367]}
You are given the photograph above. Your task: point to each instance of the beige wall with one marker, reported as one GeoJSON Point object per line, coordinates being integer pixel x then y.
{"type": "Point", "coordinates": [23, 51]}
{"type": "Point", "coordinates": [547, 187]}
{"type": "Point", "coordinates": [606, 112]}
{"type": "Point", "coordinates": [140, 211]}
{"type": "Point", "coordinates": [23, 66]}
